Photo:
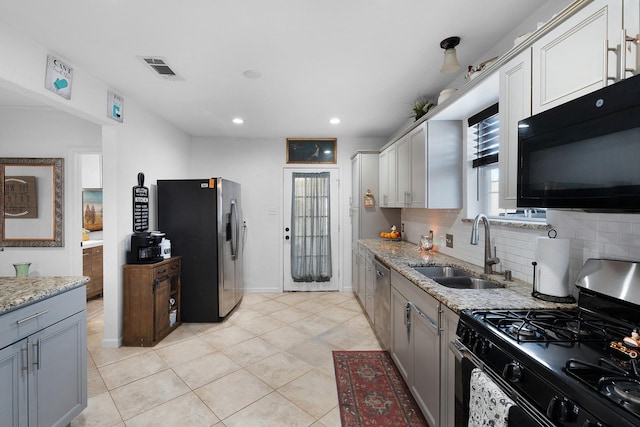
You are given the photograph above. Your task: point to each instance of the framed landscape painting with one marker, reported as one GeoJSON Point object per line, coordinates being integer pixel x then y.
{"type": "Point", "coordinates": [311, 150]}
{"type": "Point", "coordinates": [92, 210]}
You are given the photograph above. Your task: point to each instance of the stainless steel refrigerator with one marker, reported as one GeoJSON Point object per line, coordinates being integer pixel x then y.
{"type": "Point", "coordinates": [203, 220]}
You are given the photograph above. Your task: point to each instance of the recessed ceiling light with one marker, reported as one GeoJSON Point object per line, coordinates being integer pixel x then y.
{"type": "Point", "coordinates": [334, 121]}
{"type": "Point", "coordinates": [251, 74]}
{"type": "Point", "coordinates": [238, 121]}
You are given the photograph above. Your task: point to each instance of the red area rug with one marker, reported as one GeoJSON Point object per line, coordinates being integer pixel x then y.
{"type": "Point", "coordinates": [371, 391]}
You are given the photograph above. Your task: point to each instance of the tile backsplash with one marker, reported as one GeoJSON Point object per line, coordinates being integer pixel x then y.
{"type": "Point", "coordinates": [592, 235]}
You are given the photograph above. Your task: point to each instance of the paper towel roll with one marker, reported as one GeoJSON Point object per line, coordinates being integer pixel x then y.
{"type": "Point", "coordinates": [552, 271]}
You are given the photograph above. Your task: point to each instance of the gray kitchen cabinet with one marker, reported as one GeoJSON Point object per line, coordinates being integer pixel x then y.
{"type": "Point", "coordinates": [435, 165]}
{"type": "Point", "coordinates": [515, 105]}
{"type": "Point", "coordinates": [355, 283]}
{"type": "Point", "coordinates": [448, 324]}
{"type": "Point", "coordinates": [362, 287]}
{"type": "Point", "coordinates": [428, 167]}
{"type": "Point", "coordinates": [580, 55]}
{"type": "Point", "coordinates": [415, 343]}
{"type": "Point", "coordinates": [369, 284]}
{"type": "Point", "coordinates": [387, 179]}
{"type": "Point", "coordinates": [43, 365]}
{"type": "Point", "coordinates": [403, 172]}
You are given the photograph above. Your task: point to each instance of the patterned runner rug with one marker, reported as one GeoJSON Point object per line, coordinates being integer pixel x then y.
{"type": "Point", "coordinates": [371, 391]}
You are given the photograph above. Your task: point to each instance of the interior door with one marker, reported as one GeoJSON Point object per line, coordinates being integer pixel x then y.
{"type": "Point", "coordinates": [289, 284]}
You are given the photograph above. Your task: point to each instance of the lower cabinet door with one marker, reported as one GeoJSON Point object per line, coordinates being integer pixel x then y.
{"type": "Point", "coordinates": [161, 295]}
{"type": "Point", "coordinates": [58, 381]}
{"type": "Point", "coordinates": [13, 385]}
{"type": "Point", "coordinates": [400, 344]}
{"type": "Point", "coordinates": [426, 366]}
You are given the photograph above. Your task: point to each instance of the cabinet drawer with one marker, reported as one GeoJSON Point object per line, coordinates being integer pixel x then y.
{"type": "Point", "coordinates": [172, 268]}
{"type": "Point", "coordinates": [18, 324]}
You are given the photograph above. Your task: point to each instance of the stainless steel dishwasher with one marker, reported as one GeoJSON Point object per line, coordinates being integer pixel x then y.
{"type": "Point", "coordinates": [382, 303]}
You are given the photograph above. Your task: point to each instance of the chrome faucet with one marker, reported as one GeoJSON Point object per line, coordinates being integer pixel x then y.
{"type": "Point", "coordinates": [489, 261]}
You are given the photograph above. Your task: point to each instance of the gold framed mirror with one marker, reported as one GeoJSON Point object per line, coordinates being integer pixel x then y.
{"type": "Point", "coordinates": [31, 202]}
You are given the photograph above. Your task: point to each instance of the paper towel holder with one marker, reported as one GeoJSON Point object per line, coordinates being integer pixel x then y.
{"type": "Point", "coordinates": [569, 299]}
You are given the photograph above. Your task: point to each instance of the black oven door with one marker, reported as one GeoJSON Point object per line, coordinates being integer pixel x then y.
{"type": "Point", "coordinates": [466, 362]}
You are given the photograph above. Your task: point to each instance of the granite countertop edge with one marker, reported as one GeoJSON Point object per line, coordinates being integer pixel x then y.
{"type": "Point", "coordinates": [18, 292]}
{"type": "Point", "coordinates": [402, 256]}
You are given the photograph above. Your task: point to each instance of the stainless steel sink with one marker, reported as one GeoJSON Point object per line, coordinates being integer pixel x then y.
{"type": "Point", "coordinates": [437, 271]}
{"type": "Point", "coordinates": [466, 283]}
{"type": "Point", "coordinates": [455, 278]}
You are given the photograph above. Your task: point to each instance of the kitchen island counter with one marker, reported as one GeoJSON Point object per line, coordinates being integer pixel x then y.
{"type": "Point", "coordinates": [16, 292]}
{"type": "Point", "coordinates": [402, 256]}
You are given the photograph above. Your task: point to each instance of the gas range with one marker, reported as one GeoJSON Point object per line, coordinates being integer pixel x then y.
{"type": "Point", "coordinates": [568, 367]}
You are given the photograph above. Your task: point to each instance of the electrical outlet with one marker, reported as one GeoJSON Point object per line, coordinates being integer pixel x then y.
{"type": "Point", "coordinates": [402, 227]}
{"type": "Point", "coordinates": [450, 240]}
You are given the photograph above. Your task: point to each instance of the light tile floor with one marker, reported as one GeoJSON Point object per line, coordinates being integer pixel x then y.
{"type": "Point", "coordinates": [268, 364]}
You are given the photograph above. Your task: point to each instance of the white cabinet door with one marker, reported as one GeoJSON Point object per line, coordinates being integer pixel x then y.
{"type": "Point", "coordinates": [426, 357]}
{"type": "Point", "coordinates": [13, 385]}
{"type": "Point", "coordinates": [403, 172]}
{"type": "Point", "coordinates": [354, 271]}
{"type": "Point", "coordinates": [58, 384]}
{"type": "Point", "coordinates": [400, 350]}
{"type": "Point", "coordinates": [418, 162]}
{"type": "Point", "coordinates": [575, 58]}
{"type": "Point", "coordinates": [515, 105]}
{"type": "Point", "coordinates": [448, 324]}
{"type": "Point", "coordinates": [387, 178]}
{"type": "Point", "coordinates": [91, 166]}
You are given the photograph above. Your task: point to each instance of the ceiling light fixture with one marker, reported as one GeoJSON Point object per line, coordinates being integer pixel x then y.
{"type": "Point", "coordinates": [238, 121]}
{"type": "Point", "coordinates": [334, 121]}
{"type": "Point", "coordinates": [251, 74]}
{"type": "Point", "coordinates": [450, 64]}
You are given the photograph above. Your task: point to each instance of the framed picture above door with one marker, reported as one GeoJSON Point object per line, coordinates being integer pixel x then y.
{"type": "Point", "coordinates": [311, 150]}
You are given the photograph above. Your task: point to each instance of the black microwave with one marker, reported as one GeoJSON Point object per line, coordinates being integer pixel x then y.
{"type": "Point", "coordinates": [584, 154]}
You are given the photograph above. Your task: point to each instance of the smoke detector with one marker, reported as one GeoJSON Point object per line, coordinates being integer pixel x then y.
{"type": "Point", "coordinates": [160, 66]}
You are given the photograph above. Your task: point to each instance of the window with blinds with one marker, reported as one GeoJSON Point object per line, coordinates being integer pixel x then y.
{"type": "Point", "coordinates": [485, 128]}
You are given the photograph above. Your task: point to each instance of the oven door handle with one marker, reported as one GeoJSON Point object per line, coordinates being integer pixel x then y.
{"type": "Point", "coordinates": [460, 351]}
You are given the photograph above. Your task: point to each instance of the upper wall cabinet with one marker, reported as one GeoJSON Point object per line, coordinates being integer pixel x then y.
{"type": "Point", "coordinates": [515, 105]}
{"type": "Point", "coordinates": [579, 56]}
{"type": "Point", "coordinates": [423, 169]}
{"type": "Point", "coordinates": [387, 177]}
{"type": "Point", "coordinates": [436, 165]}
{"type": "Point", "coordinates": [91, 170]}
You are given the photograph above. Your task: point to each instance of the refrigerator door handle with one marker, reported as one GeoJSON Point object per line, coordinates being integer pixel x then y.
{"type": "Point", "coordinates": [235, 230]}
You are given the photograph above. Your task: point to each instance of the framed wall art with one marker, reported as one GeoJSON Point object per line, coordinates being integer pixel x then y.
{"type": "Point", "coordinates": [92, 209]}
{"type": "Point", "coordinates": [311, 150]}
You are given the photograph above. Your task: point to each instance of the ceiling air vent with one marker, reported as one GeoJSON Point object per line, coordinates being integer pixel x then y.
{"type": "Point", "coordinates": [160, 66]}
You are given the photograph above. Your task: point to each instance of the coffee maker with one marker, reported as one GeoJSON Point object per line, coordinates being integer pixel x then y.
{"type": "Point", "coordinates": [144, 247]}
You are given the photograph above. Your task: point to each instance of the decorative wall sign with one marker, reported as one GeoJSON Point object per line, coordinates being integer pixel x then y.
{"type": "Point", "coordinates": [115, 106]}
{"type": "Point", "coordinates": [58, 77]}
{"type": "Point", "coordinates": [92, 210]}
{"type": "Point", "coordinates": [311, 150]}
{"type": "Point", "coordinates": [140, 205]}
{"type": "Point", "coordinates": [20, 197]}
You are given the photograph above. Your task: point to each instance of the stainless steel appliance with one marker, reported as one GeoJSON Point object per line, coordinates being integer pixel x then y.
{"type": "Point", "coordinates": [382, 303]}
{"type": "Point", "coordinates": [562, 367]}
{"type": "Point", "coordinates": [583, 154]}
{"type": "Point", "coordinates": [203, 219]}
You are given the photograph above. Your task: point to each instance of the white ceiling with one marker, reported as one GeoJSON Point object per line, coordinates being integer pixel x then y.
{"type": "Point", "coordinates": [364, 61]}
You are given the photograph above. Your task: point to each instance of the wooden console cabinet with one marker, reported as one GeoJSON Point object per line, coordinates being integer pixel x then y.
{"type": "Point", "coordinates": [92, 267]}
{"type": "Point", "coordinates": [151, 295]}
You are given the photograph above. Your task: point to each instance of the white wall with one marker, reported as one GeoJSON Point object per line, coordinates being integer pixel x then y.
{"type": "Point", "coordinates": [47, 132]}
{"type": "Point", "coordinates": [258, 165]}
{"type": "Point", "coordinates": [143, 143]}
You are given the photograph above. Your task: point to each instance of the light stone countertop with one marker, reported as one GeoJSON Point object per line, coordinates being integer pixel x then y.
{"type": "Point", "coordinates": [401, 256]}
{"type": "Point", "coordinates": [16, 292]}
{"type": "Point", "coordinates": [91, 243]}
